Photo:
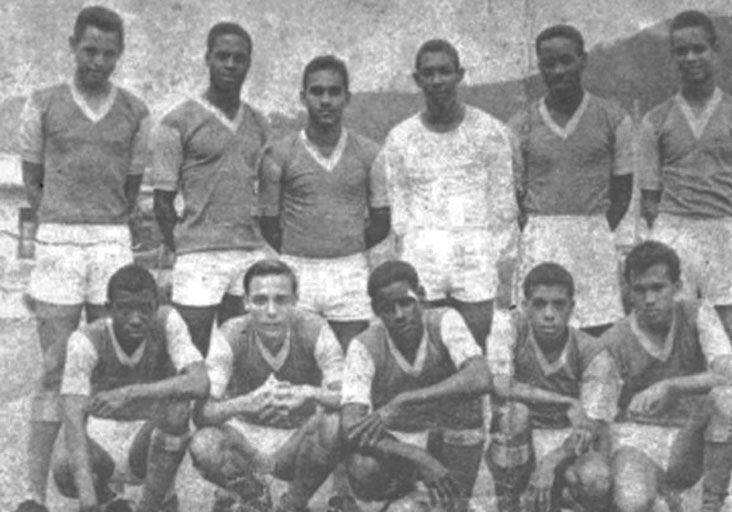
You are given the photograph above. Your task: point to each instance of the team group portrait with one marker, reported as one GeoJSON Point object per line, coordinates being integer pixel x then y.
{"type": "Point", "coordinates": [466, 312]}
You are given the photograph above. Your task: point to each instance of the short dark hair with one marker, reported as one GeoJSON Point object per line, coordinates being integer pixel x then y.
{"type": "Point", "coordinates": [131, 278]}
{"type": "Point", "coordinates": [321, 62]}
{"type": "Point", "coordinates": [102, 18]}
{"type": "Point", "coordinates": [687, 19]}
{"type": "Point", "coordinates": [437, 46]}
{"type": "Point", "coordinates": [548, 274]}
{"type": "Point", "coordinates": [391, 272]}
{"type": "Point", "coordinates": [651, 252]}
{"type": "Point", "coordinates": [269, 267]}
{"type": "Point", "coordinates": [565, 31]}
{"type": "Point", "coordinates": [227, 27]}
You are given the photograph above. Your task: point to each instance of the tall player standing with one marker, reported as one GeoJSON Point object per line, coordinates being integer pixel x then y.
{"type": "Point", "coordinates": [687, 166]}
{"type": "Point", "coordinates": [83, 145]}
{"type": "Point", "coordinates": [207, 147]}
{"type": "Point", "coordinates": [452, 193]}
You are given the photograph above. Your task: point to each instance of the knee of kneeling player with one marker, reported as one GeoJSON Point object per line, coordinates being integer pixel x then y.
{"type": "Point", "coordinates": [369, 477]}
{"type": "Point", "coordinates": [174, 418]}
{"type": "Point", "coordinates": [721, 398]}
{"type": "Point", "coordinates": [205, 449]}
{"type": "Point", "coordinates": [408, 504]}
{"type": "Point", "coordinates": [633, 496]}
{"type": "Point", "coordinates": [590, 478]}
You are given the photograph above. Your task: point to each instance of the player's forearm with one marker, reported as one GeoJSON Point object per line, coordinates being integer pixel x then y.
{"type": "Point", "coordinates": [697, 383]}
{"type": "Point", "coordinates": [271, 231]}
{"type": "Point", "coordinates": [76, 444]}
{"type": "Point", "coordinates": [165, 215]}
{"type": "Point", "coordinates": [33, 175]}
{"type": "Point", "coordinates": [522, 392]}
{"type": "Point", "coordinates": [474, 379]}
{"type": "Point", "coordinates": [133, 182]}
{"type": "Point", "coordinates": [378, 226]}
{"type": "Point", "coordinates": [216, 412]}
{"type": "Point", "coordinates": [650, 200]}
{"type": "Point", "coordinates": [192, 384]}
{"type": "Point", "coordinates": [327, 396]}
{"type": "Point", "coordinates": [621, 190]}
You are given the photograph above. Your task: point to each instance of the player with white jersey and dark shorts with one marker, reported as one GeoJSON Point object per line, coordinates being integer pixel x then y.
{"type": "Point", "coordinates": [136, 366]}
{"type": "Point", "coordinates": [323, 205]}
{"type": "Point", "coordinates": [451, 190]}
{"type": "Point", "coordinates": [572, 160]}
{"type": "Point", "coordinates": [83, 146]}
{"type": "Point", "coordinates": [413, 372]}
{"type": "Point", "coordinates": [275, 390]}
{"type": "Point", "coordinates": [686, 165]}
{"type": "Point", "coordinates": [207, 148]}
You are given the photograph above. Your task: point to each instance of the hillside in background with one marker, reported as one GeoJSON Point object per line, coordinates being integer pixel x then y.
{"type": "Point", "coordinates": [637, 68]}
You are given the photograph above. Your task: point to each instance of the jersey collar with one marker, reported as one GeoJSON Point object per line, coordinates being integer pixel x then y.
{"type": "Point", "coordinates": [573, 121]}
{"type": "Point", "coordinates": [122, 356]}
{"type": "Point", "coordinates": [662, 353]}
{"type": "Point", "coordinates": [697, 124]}
{"type": "Point", "coordinates": [327, 163]}
{"type": "Point", "coordinates": [93, 115]}
{"type": "Point", "coordinates": [547, 367]}
{"type": "Point", "coordinates": [275, 361]}
{"type": "Point", "coordinates": [419, 360]}
{"type": "Point", "coordinates": [232, 124]}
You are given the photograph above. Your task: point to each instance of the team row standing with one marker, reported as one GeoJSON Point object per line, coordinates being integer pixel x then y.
{"type": "Point", "coordinates": [453, 219]}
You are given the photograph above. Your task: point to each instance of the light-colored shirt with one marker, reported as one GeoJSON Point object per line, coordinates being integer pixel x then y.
{"type": "Point", "coordinates": [689, 156]}
{"type": "Point", "coordinates": [87, 154]}
{"type": "Point", "coordinates": [212, 160]}
{"type": "Point", "coordinates": [79, 376]}
{"type": "Point", "coordinates": [360, 370]}
{"type": "Point", "coordinates": [567, 170]}
{"type": "Point", "coordinates": [323, 202]}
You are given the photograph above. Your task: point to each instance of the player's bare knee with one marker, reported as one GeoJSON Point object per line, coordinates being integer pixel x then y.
{"type": "Point", "coordinates": [408, 504]}
{"type": "Point", "coordinates": [329, 430]}
{"type": "Point", "coordinates": [635, 482]}
{"type": "Point", "coordinates": [365, 475]}
{"type": "Point", "coordinates": [206, 447]}
{"type": "Point", "coordinates": [590, 477]}
{"type": "Point", "coordinates": [721, 399]}
{"type": "Point", "coordinates": [174, 418]}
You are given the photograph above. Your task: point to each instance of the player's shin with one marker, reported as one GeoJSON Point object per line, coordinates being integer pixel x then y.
{"type": "Point", "coordinates": [717, 451]}
{"type": "Point", "coordinates": [164, 456]}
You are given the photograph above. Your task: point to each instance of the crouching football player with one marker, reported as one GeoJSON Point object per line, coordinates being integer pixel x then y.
{"type": "Point", "coordinates": [275, 374]}
{"type": "Point", "coordinates": [413, 370]}
{"type": "Point", "coordinates": [137, 364]}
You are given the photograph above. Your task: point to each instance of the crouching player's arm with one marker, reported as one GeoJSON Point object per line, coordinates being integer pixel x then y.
{"type": "Point", "coordinates": [715, 345]}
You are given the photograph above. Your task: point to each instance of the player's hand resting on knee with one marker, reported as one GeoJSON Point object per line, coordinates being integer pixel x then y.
{"type": "Point", "coordinates": [651, 401]}
{"type": "Point", "coordinates": [442, 487]}
{"type": "Point", "coordinates": [538, 495]}
{"type": "Point", "coordinates": [368, 431]}
{"type": "Point", "coordinates": [107, 404]}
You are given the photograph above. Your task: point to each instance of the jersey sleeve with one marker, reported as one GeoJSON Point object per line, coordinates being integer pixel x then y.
{"type": "Point", "coordinates": [501, 342]}
{"type": "Point", "coordinates": [30, 132]}
{"type": "Point", "coordinates": [600, 388]}
{"type": "Point", "coordinates": [457, 338]}
{"type": "Point", "coordinates": [181, 349]}
{"type": "Point", "coordinates": [167, 157]}
{"type": "Point", "coordinates": [219, 364]}
{"type": "Point", "coordinates": [623, 161]}
{"type": "Point", "coordinates": [329, 356]}
{"type": "Point", "coordinates": [712, 335]}
{"type": "Point", "coordinates": [141, 147]}
{"type": "Point", "coordinates": [649, 158]}
{"type": "Point", "coordinates": [378, 190]}
{"type": "Point", "coordinates": [270, 183]}
{"type": "Point", "coordinates": [81, 358]}
{"type": "Point", "coordinates": [358, 375]}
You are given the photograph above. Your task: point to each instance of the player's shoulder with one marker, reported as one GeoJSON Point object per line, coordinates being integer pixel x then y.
{"type": "Point", "coordinates": [235, 329]}
{"type": "Point", "coordinates": [607, 106]}
{"type": "Point", "coordinates": [587, 346]}
{"type": "Point", "coordinates": [618, 337]}
{"type": "Point", "coordinates": [405, 129]}
{"type": "Point", "coordinates": [255, 118]}
{"type": "Point", "coordinates": [660, 112]}
{"type": "Point", "coordinates": [282, 148]}
{"type": "Point", "coordinates": [133, 102]}
{"type": "Point", "coordinates": [374, 337]}
{"type": "Point", "coordinates": [308, 324]}
{"type": "Point", "coordinates": [45, 96]}
{"type": "Point", "coordinates": [366, 148]}
{"type": "Point", "coordinates": [180, 111]}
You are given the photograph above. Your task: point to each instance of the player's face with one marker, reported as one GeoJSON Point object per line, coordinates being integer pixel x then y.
{"type": "Point", "coordinates": [549, 309]}
{"type": "Point", "coordinates": [228, 62]}
{"type": "Point", "coordinates": [438, 76]}
{"type": "Point", "coordinates": [271, 301]}
{"type": "Point", "coordinates": [561, 65]}
{"type": "Point", "coordinates": [132, 314]}
{"type": "Point", "coordinates": [400, 309]}
{"type": "Point", "coordinates": [96, 53]}
{"type": "Point", "coordinates": [694, 54]}
{"type": "Point", "coordinates": [652, 294]}
{"type": "Point", "coordinates": [325, 97]}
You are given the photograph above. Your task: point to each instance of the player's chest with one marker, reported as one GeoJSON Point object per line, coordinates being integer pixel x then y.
{"type": "Point", "coordinates": [212, 141]}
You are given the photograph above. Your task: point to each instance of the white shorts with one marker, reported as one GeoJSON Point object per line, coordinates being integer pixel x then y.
{"type": "Point", "coordinates": [116, 437]}
{"type": "Point", "coordinates": [333, 287]}
{"type": "Point", "coordinates": [586, 248]}
{"type": "Point", "coordinates": [705, 249]}
{"type": "Point", "coordinates": [202, 278]}
{"type": "Point", "coordinates": [75, 261]}
{"type": "Point", "coordinates": [459, 264]}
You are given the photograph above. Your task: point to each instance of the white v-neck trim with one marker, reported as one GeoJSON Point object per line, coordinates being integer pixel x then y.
{"type": "Point", "coordinates": [93, 115]}
{"type": "Point", "coordinates": [122, 356]}
{"type": "Point", "coordinates": [327, 163]}
{"type": "Point", "coordinates": [275, 362]}
{"type": "Point", "coordinates": [231, 124]}
{"type": "Point", "coordinates": [420, 358]}
{"type": "Point", "coordinates": [573, 121]}
{"type": "Point", "coordinates": [547, 367]}
{"type": "Point", "coordinates": [662, 354]}
{"type": "Point", "coordinates": [698, 124]}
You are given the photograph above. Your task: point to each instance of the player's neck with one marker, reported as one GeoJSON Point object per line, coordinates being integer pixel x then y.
{"type": "Point", "coordinates": [227, 101]}
{"type": "Point", "coordinates": [127, 345]}
{"type": "Point", "coordinates": [97, 93]}
{"type": "Point", "coordinates": [273, 343]}
{"type": "Point", "coordinates": [656, 333]}
{"type": "Point", "coordinates": [408, 346]}
{"type": "Point", "coordinates": [443, 117]}
{"type": "Point", "coordinates": [552, 348]}
{"type": "Point", "coordinates": [698, 95]}
{"type": "Point", "coordinates": [565, 105]}
{"type": "Point", "coordinates": [325, 138]}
